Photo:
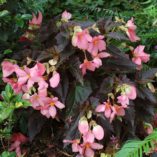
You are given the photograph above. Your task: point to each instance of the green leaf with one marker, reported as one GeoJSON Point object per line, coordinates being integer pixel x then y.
{"type": "Point", "coordinates": [26, 16]}
{"type": "Point", "coordinates": [8, 93]}
{"type": "Point", "coordinates": [4, 13]}
{"type": "Point", "coordinates": [20, 22]}
{"type": "Point", "coordinates": [5, 113]}
{"type": "Point", "coordinates": [8, 154]}
{"type": "Point", "coordinates": [136, 148]}
{"type": "Point", "coordinates": [5, 97]}
{"type": "Point", "coordinates": [7, 51]}
{"type": "Point", "coordinates": [77, 96]}
{"type": "Point", "coordinates": [8, 89]}
{"type": "Point", "coordinates": [25, 103]}
{"type": "Point", "coordinates": [2, 1]}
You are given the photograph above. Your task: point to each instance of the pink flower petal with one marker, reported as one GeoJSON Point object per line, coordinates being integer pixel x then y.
{"type": "Point", "coordinates": [89, 152]}
{"type": "Point", "coordinates": [131, 94]}
{"type": "Point", "coordinates": [98, 132]}
{"type": "Point", "coordinates": [96, 146]}
{"type": "Point", "coordinates": [22, 80]}
{"type": "Point", "coordinates": [137, 61]}
{"type": "Point", "coordinates": [40, 68]}
{"type": "Point", "coordinates": [101, 45]}
{"type": "Point", "coordinates": [100, 108]}
{"type": "Point", "coordinates": [52, 111]}
{"type": "Point", "coordinates": [36, 20]}
{"type": "Point", "coordinates": [42, 84]}
{"type": "Point", "coordinates": [7, 68]}
{"type": "Point", "coordinates": [30, 84]}
{"type": "Point", "coordinates": [75, 147]}
{"type": "Point", "coordinates": [66, 16]}
{"type": "Point", "coordinates": [59, 105]}
{"type": "Point", "coordinates": [83, 126]}
{"type": "Point", "coordinates": [104, 55]}
{"type": "Point", "coordinates": [123, 100]}
{"type": "Point", "coordinates": [14, 145]}
{"type": "Point", "coordinates": [107, 112]}
{"type": "Point", "coordinates": [18, 151]}
{"type": "Point", "coordinates": [54, 80]}
{"type": "Point", "coordinates": [44, 112]}
{"type": "Point", "coordinates": [40, 17]}
{"type": "Point", "coordinates": [88, 137]}
{"type": "Point", "coordinates": [97, 62]}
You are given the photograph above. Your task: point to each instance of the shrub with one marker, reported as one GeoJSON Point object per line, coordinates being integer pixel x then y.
{"type": "Point", "coordinates": [85, 81]}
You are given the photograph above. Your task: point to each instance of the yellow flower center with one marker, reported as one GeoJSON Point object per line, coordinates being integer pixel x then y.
{"type": "Point", "coordinates": [52, 104]}
{"type": "Point", "coordinates": [87, 145]}
{"type": "Point", "coordinates": [36, 97]}
{"type": "Point", "coordinates": [95, 42]}
{"type": "Point", "coordinates": [29, 76]}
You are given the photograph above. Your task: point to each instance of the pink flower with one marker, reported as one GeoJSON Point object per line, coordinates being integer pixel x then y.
{"type": "Point", "coordinates": [55, 79]}
{"type": "Point", "coordinates": [86, 149]}
{"type": "Point", "coordinates": [8, 68]}
{"type": "Point", "coordinates": [81, 39]}
{"type": "Point", "coordinates": [127, 92]}
{"type": "Point", "coordinates": [36, 20]}
{"type": "Point", "coordinates": [120, 111]}
{"type": "Point", "coordinates": [140, 56]}
{"type": "Point", "coordinates": [117, 111]}
{"type": "Point", "coordinates": [66, 16]}
{"type": "Point", "coordinates": [38, 100]}
{"type": "Point", "coordinates": [97, 58]}
{"type": "Point", "coordinates": [25, 76]}
{"type": "Point", "coordinates": [106, 107]}
{"type": "Point", "coordinates": [75, 144]}
{"type": "Point", "coordinates": [31, 75]}
{"type": "Point", "coordinates": [87, 65]}
{"type": "Point", "coordinates": [123, 100]}
{"type": "Point", "coordinates": [97, 44]}
{"type": "Point", "coordinates": [131, 31]}
{"type": "Point", "coordinates": [98, 132]}
{"type": "Point", "coordinates": [17, 139]}
{"type": "Point", "coordinates": [88, 146]}
{"type": "Point", "coordinates": [49, 109]}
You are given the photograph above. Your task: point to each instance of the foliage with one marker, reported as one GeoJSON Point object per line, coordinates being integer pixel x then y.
{"type": "Point", "coordinates": [136, 148]}
{"type": "Point", "coordinates": [8, 154]}
{"type": "Point", "coordinates": [10, 102]}
{"type": "Point", "coordinates": [55, 63]}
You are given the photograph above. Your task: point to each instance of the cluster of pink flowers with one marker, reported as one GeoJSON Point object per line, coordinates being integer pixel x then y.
{"type": "Point", "coordinates": [89, 134]}
{"type": "Point", "coordinates": [127, 92]}
{"type": "Point", "coordinates": [95, 46]}
{"type": "Point", "coordinates": [34, 24]}
{"type": "Point", "coordinates": [24, 80]}
{"type": "Point", "coordinates": [110, 111]}
{"type": "Point", "coordinates": [140, 56]}
{"type": "Point", "coordinates": [17, 139]}
{"type": "Point", "coordinates": [138, 53]}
